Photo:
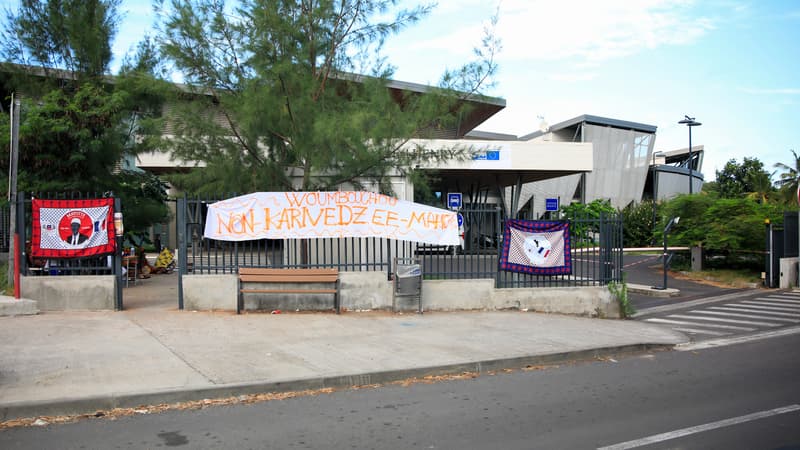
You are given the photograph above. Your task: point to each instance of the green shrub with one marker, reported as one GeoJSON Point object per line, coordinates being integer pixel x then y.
{"type": "Point", "coordinates": [721, 225]}
{"type": "Point", "coordinates": [638, 226]}
{"type": "Point", "coordinates": [620, 291]}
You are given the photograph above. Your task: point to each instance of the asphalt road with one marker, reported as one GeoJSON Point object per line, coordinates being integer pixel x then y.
{"type": "Point", "coordinates": [735, 397]}
{"type": "Point", "coordinates": [706, 313]}
{"type": "Point", "coordinates": [647, 270]}
{"type": "Point", "coordinates": [724, 316]}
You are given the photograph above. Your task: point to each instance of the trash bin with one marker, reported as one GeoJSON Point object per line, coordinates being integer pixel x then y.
{"type": "Point", "coordinates": [407, 282]}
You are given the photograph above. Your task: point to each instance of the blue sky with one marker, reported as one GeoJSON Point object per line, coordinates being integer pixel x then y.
{"type": "Point", "coordinates": [731, 64]}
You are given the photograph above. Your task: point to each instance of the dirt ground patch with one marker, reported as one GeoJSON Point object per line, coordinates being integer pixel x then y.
{"type": "Point", "coordinates": [710, 280]}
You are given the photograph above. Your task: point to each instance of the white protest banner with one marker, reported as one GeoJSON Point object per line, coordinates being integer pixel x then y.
{"type": "Point", "coordinates": [297, 215]}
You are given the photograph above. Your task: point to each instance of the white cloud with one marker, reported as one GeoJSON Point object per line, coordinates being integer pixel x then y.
{"type": "Point", "coordinates": [587, 31]}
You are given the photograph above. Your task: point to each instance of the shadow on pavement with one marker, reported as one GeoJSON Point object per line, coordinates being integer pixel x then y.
{"type": "Point", "coordinates": [160, 291]}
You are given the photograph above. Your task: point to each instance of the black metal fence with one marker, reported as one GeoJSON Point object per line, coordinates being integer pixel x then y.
{"type": "Point", "coordinates": [5, 227]}
{"type": "Point", "coordinates": [596, 251]}
{"type": "Point", "coordinates": [94, 265]}
{"type": "Point", "coordinates": [781, 242]}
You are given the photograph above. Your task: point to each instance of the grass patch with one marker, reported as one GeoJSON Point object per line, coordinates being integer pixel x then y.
{"type": "Point", "coordinates": [620, 292]}
{"type": "Point", "coordinates": [5, 286]}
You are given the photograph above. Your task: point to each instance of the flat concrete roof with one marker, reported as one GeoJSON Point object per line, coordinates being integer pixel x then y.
{"type": "Point", "coordinates": [593, 120]}
{"type": "Point", "coordinates": [505, 163]}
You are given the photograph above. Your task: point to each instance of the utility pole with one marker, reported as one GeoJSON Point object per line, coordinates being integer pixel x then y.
{"type": "Point", "coordinates": [12, 186]}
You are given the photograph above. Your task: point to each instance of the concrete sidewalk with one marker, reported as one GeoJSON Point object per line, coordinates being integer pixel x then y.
{"type": "Point", "coordinates": [81, 362]}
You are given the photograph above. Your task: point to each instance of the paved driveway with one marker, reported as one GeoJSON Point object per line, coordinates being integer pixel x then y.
{"type": "Point", "coordinates": [648, 270]}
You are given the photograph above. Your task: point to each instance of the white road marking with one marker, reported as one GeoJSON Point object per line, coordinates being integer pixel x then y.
{"type": "Point", "coordinates": [786, 295]}
{"type": "Point", "coordinates": [780, 300]}
{"type": "Point", "coordinates": [759, 310]}
{"type": "Point", "coordinates": [746, 316]}
{"type": "Point", "coordinates": [696, 331]}
{"type": "Point", "coordinates": [773, 306]}
{"type": "Point", "coordinates": [714, 319]}
{"type": "Point", "coordinates": [707, 325]}
{"type": "Point", "coordinates": [693, 303]}
{"type": "Point", "coordinates": [722, 342]}
{"type": "Point", "coordinates": [701, 428]}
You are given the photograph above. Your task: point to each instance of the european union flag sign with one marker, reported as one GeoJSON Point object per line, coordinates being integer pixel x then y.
{"type": "Point", "coordinates": [488, 155]}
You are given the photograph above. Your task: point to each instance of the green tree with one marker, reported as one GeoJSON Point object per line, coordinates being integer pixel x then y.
{"type": "Point", "coordinates": [691, 230]}
{"type": "Point", "coordinates": [711, 188]}
{"type": "Point", "coordinates": [788, 180]}
{"type": "Point", "coordinates": [739, 180]}
{"type": "Point", "coordinates": [638, 226]}
{"type": "Point", "coordinates": [582, 217]}
{"type": "Point", "coordinates": [722, 225]}
{"type": "Point", "coordinates": [71, 35]}
{"type": "Point", "coordinates": [75, 134]}
{"type": "Point", "coordinates": [277, 100]}
{"type": "Point", "coordinates": [761, 184]}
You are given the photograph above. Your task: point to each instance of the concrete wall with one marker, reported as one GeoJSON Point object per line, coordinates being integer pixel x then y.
{"type": "Point", "coordinates": [593, 301]}
{"type": "Point", "coordinates": [358, 291]}
{"type": "Point", "coordinates": [447, 295]}
{"type": "Point", "coordinates": [210, 292]}
{"type": "Point", "coordinates": [86, 292]}
{"type": "Point", "coordinates": [365, 290]}
{"type": "Point", "coordinates": [452, 295]}
{"type": "Point", "coordinates": [372, 290]}
{"type": "Point", "coordinates": [788, 278]}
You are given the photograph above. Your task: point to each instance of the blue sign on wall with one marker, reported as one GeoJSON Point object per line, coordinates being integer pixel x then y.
{"type": "Point", "coordinates": [487, 155]}
{"type": "Point", "coordinates": [454, 200]}
{"type": "Point", "coordinates": [551, 204]}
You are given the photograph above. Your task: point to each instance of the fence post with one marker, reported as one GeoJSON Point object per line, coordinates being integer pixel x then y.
{"type": "Point", "coordinates": [605, 250]}
{"type": "Point", "coordinates": [19, 221]}
{"type": "Point", "coordinates": [180, 209]}
{"type": "Point", "coordinates": [620, 226]}
{"type": "Point", "coordinates": [118, 259]}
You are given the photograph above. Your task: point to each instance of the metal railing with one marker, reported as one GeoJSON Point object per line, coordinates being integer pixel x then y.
{"type": "Point", "coordinates": [596, 251]}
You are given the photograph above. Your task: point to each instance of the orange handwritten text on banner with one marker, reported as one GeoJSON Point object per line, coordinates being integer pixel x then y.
{"type": "Point", "coordinates": [317, 214]}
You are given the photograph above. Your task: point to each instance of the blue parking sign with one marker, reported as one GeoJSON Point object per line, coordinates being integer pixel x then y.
{"type": "Point", "coordinates": [454, 200]}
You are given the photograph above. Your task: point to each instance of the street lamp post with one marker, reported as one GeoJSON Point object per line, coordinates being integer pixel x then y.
{"type": "Point", "coordinates": [690, 122]}
{"type": "Point", "coordinates": [653, 180]}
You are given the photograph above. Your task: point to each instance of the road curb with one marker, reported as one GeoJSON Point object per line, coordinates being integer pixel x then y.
{"type": "Point", "coordinates": [652, 291]}
{"type": "Point", "coordinates": [91, 405]}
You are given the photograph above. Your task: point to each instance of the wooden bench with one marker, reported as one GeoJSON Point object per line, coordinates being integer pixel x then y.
{"type": "Point", "coordinates": [288, 276]}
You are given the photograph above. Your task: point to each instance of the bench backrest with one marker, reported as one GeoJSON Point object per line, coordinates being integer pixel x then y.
{"type": "Point", "coordinates": [299, 275]}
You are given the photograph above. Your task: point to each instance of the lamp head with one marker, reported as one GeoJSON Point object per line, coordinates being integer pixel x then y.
{"type": "Point", "coordinates": [690, 122]}
{"type": "Point", "coordinates": [672, 222]}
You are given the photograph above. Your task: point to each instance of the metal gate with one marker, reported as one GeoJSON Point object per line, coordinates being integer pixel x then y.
{"type": "Point", "coordinates": [775, 251]}
{"type": "Point", "coordinates": [95, 265]}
